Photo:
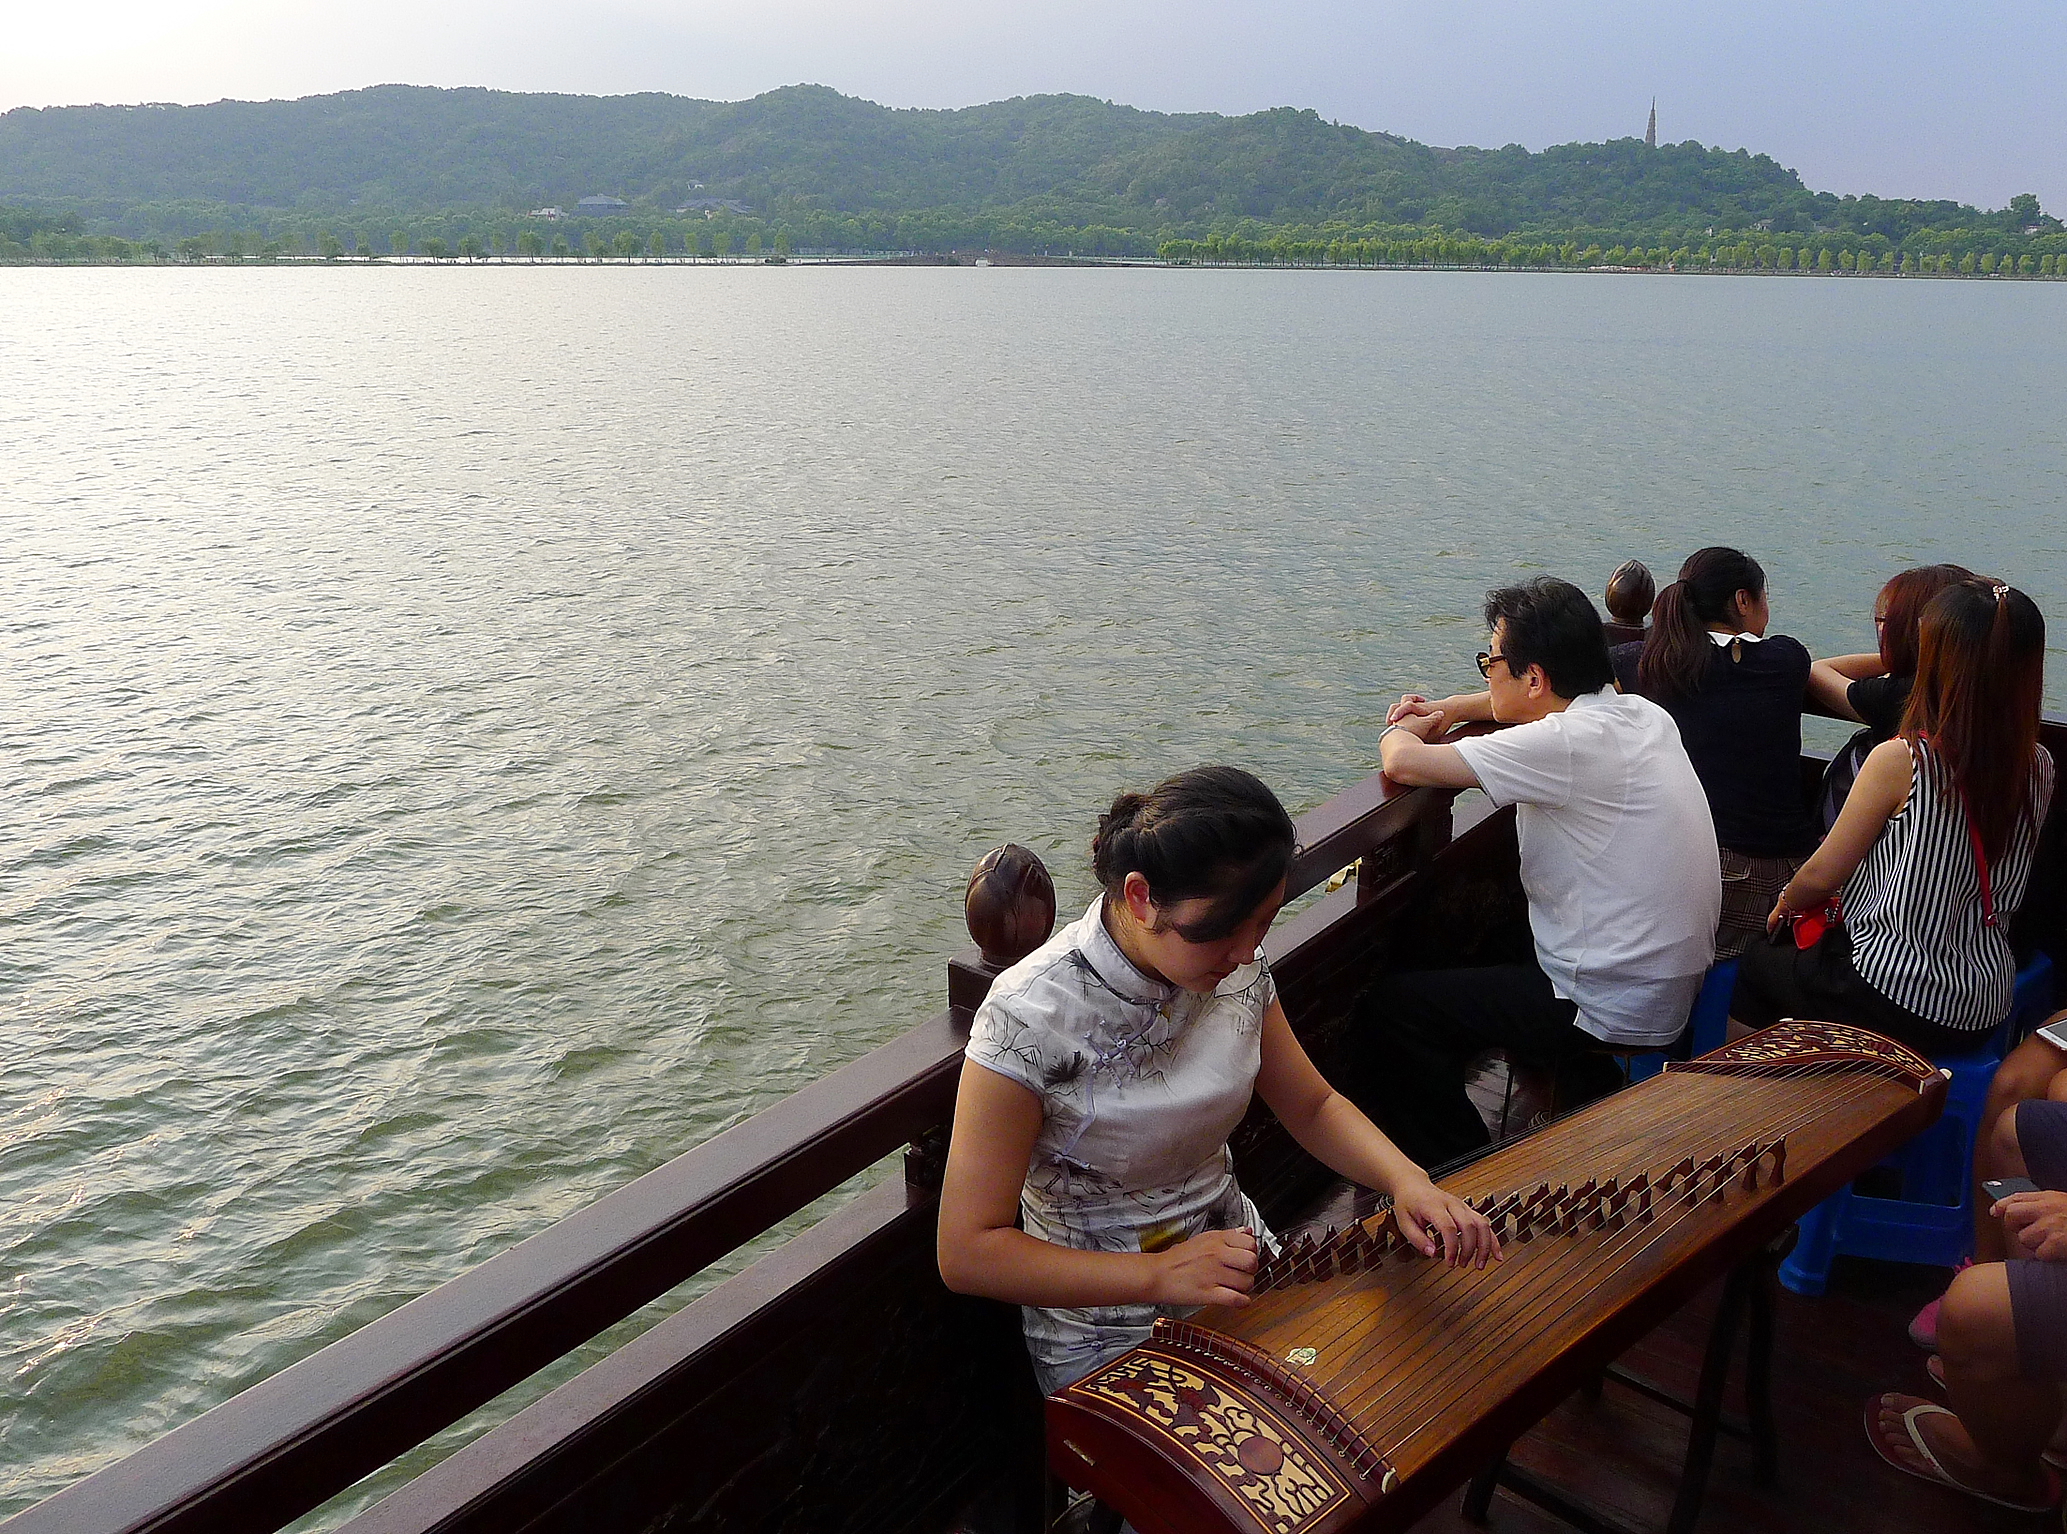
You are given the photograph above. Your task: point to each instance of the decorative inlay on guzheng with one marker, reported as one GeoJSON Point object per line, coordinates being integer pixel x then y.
{"type": "Point", "coordinates": [1364, 1381]}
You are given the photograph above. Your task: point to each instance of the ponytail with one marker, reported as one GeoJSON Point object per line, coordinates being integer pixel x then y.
{"type": "Point", "coordinates": [1677, 649]}
{"type": "Point", "coordinates": [1212, 833]}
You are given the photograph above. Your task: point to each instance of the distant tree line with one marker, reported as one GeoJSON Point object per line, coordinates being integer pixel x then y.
{"type": "Point", "coordinates": [1960, 252]}
{"type": "Point", "coordinates": [468, 235]}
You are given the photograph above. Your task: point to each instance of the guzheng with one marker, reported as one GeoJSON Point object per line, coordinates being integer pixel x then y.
{"type": "Point", "coordinates": [1365, 1381]}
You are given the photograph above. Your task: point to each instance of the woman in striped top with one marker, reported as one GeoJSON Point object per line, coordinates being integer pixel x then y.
{"type": "Point", "coordinates": [1933, 849]}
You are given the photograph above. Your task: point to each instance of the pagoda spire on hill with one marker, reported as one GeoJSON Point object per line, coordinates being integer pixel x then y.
{"type": "Point", "coordinates": [1651, 133]}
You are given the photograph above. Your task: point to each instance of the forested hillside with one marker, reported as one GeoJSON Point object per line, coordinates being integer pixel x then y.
{"type": "Point", "coordinates": [415, 149]}
{"type": "Point", "coordinates": [818, 169]}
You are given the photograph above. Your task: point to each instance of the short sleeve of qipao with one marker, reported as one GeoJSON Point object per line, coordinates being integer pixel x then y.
{"type": "Point", "coordinates": [1528, 764]}
{"type": "Point", "coordinates": [1002, 1040]}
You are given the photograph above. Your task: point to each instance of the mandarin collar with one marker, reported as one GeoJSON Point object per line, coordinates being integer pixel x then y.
{"type": "Point", "coordinates": [1114, 967]}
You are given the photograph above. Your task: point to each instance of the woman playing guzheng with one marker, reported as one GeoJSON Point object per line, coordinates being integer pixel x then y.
{"type": "Point", "coordinates": [1089, 1178]}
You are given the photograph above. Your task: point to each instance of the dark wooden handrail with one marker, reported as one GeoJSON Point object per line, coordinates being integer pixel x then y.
{"type": "Point", "coordinates": [1359, 820]}
{"type": "Point", "coordinates": [289, 1443]}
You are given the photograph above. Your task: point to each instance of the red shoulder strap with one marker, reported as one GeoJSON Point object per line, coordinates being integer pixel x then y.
{"type": "Point", "coordinates": [1980, 863]}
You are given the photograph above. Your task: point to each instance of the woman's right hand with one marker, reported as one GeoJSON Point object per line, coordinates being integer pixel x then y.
{"type": "Point", "coordinates": [1215, 1267]}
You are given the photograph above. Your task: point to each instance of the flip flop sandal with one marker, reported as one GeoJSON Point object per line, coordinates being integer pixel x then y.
{"type": "Point", "coordinates": [1934, 1366]}
{"type": "Point", "coordinates": [1937, 1472]}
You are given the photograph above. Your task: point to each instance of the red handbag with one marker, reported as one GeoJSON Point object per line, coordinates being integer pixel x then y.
{"type": "Point", "coordinates": [1809, 926]}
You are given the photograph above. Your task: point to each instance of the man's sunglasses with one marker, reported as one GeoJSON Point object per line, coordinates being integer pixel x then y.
{"type": "Point", "coordinates": [1485, 664]}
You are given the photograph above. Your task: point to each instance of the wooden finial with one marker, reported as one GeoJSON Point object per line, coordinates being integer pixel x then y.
{"type": "Point", "coordinates": [1009, 904]}
{"type": "Point", "coordinates": [1631, 590]}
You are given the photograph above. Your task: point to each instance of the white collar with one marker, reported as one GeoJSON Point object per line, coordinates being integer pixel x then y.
{"type": "Point", "coordinates": [1723, 641]}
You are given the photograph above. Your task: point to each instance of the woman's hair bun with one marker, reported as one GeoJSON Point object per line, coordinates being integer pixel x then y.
{"type": "Point", "coordinates": [1114, 823]}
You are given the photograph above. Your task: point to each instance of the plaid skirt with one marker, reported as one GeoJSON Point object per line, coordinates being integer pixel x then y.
{"type": "Point", "coordinates": [1750, 886]}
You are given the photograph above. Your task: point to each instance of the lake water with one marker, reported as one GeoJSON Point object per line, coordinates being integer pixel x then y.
{"type": "Point", "coordinates": [470, 735]}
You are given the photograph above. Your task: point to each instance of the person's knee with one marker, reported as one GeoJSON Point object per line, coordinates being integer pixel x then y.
{"type": "Point", "coordinates": [2029, 1070]}
{"type": "Point", "coordinates": [1975, 1327]}
{"type": "Point", "coordinates": [1586, 1074]}
{"type": "Point", "coordinates": [2006, 1156]}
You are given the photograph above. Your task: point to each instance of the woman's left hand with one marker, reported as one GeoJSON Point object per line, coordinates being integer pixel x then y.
{"type": "Point", "coordinates": [1779, 917]}
{"type": "Point", "coordinates": [1442, 1225]}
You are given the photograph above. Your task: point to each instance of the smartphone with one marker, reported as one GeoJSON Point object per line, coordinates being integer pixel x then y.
{"type": "Point", "coordinates": [2054, 1033]}
{"type": "Point", "coordinates": [2000, 1188]}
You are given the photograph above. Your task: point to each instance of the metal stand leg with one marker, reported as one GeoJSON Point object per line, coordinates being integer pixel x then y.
{"type": "Point", "coordinates": [1708, 1396]}
{"type": "Point", "coordinates": [1758, 1376]}
{"type": "Point", "coordinates": [1478, 1496]}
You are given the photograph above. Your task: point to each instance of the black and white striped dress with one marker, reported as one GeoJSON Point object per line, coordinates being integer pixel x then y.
{"type": "Point", "coordinates": [1913, 906]}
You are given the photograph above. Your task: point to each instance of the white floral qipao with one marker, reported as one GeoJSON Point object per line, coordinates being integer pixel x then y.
{"type": "Point", "coordinates": [1140, 1085]}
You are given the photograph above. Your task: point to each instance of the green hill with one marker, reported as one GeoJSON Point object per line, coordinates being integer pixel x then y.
{"type": "Point", "coordinates": [417, 149]}
{"type": "Point", "coordinates": [826, 169]}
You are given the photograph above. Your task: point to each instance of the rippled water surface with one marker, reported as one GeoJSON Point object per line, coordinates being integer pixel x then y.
{"type": "Point", "coordinates": [470, 735]}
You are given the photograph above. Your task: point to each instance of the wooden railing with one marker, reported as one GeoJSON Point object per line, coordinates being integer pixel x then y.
{"type": "Point", "coordinates": [290, 1443]}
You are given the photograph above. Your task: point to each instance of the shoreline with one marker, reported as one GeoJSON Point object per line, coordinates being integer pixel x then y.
{"type": "Point", "coordinates": [1009, 259]}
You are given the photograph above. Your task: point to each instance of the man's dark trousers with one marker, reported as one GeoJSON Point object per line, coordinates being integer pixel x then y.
{"type": "Point", "coordinates": [1415, 1036]}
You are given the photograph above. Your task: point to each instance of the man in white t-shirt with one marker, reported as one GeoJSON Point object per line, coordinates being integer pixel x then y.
{"type": "Point", "coordinates": [1619, 864]}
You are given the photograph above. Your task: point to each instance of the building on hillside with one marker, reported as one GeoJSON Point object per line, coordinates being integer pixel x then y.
{"type": "Point", "coordinates": [709, 205]}
{"type": "Point", "coordinates": [547, 213]}
{"type": "Point", "coordinates": [602, 204]}
{"type": "Point", "coordinates": [1651, 132]}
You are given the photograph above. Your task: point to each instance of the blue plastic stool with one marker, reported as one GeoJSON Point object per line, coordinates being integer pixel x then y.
{"type": "Point", "coordinates": [1708, 1024]}
{"type": "Point", "coordinates": [1933, 1221]}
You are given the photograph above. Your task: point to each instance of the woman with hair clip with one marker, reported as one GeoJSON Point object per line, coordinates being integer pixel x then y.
{"type": "Point", "coordinates": [1932, 850]}
{"type": "Point", "coordinates": [1874, 688]}
{"type": "Point", "coordinates": [1088, 1178]}
{"type": "Point", "coordinates": [1735, 692]}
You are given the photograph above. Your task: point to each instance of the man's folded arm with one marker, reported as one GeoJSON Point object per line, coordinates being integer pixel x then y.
{"type": "Point", "coordinates": [1409, 759]}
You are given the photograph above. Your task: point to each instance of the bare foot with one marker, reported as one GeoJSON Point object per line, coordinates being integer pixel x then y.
{"type": "Point", "coordinates": [1947, 1439]}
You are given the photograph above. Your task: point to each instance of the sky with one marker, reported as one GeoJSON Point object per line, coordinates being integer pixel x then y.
{"type": "Point", "coordinates": [1888, 96]}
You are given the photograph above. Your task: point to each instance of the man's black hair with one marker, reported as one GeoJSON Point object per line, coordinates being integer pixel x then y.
{"type": "Point", "coordinates": [1552, 624]}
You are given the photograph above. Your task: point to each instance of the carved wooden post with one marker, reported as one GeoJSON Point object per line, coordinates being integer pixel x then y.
{"type": "Point", "coordinates": [1631, 591]}
{"type": "Point", "coordinates": [1009, 905]}
{"type": "Point", "coordinates": [1010, 908]}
